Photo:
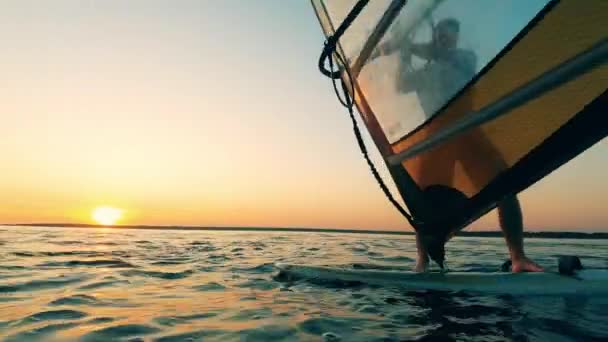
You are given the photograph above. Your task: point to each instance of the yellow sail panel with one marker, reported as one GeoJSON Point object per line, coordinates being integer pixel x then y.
{"type": "Point", "coordinates": [471, 161]}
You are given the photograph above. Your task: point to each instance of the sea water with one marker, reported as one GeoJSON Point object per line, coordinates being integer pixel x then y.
{"type": "Point", "coordinates": [65, 284]}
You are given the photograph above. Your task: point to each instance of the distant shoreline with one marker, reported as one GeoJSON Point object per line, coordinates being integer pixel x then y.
{"type": "Point", "coordinates": [544, 235]}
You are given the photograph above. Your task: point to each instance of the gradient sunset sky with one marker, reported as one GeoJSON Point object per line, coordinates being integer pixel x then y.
{"type": "Point", "coordinates": [203, 113]}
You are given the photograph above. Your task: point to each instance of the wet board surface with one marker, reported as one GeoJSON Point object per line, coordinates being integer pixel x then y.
{"type": "Point", "coordinates": [546, 283]}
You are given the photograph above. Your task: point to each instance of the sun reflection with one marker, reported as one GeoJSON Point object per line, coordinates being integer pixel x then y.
{"type": "Point", "coordinates": [106, 216]}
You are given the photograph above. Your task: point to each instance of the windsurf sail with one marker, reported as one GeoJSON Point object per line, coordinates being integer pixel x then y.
{"type": "Point", "coordinates": [469, 102]}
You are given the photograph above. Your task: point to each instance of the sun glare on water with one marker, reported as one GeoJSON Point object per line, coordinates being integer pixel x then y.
{"type": "Point", "coordinates": [106, 216]}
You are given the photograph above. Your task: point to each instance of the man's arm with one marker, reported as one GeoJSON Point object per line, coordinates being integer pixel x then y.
{"type": "Point", "coordinates": [424, 51]}
{"type": "Point", "coordinates": [383, 49]}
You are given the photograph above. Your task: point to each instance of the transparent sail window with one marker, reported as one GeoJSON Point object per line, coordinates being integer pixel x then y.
{"type": "Point", "coordinates": [431, 51]}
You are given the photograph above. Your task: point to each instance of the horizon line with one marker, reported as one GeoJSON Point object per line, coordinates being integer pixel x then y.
{"type": "Point", "coordinates": [482, 233]}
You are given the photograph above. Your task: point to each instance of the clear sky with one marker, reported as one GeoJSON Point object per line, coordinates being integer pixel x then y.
{"type": "Point", "coordinates": [202, 113]}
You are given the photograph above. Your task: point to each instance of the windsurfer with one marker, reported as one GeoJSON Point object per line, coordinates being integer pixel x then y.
{"type": "Point", "coordinates": [446, 72]}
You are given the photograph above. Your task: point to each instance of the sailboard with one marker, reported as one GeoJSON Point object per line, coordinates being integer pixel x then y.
{"type": "Point", "coordinates": [521, 90]}
{"type": "Point", "coordinates": [585, 282]}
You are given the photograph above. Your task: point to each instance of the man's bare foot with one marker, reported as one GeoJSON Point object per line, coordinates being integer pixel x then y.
{"type": "Point", "coordinates": [422, 266]}
{"type": "Point", "coordinates": [524, 264]}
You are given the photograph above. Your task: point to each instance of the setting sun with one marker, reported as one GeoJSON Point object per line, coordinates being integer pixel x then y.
{"type": "Point", "coordinates": [106, 216]}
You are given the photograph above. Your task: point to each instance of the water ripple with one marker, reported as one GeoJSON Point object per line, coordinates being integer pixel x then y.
{"type": "Point", "coordinates": [120, 331]}
{"type": "Point", "coordinates": [56, 315]}
{"type": "Point", "coordinates": [157, 274]}
{"type": "Point", "coordinates": [99, 262]}
{"type": "Point", "coordinates": [50, 283]}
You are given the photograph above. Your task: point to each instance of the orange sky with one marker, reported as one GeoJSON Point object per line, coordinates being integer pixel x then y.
{"type": "Point", "coordinates": [202, 115]}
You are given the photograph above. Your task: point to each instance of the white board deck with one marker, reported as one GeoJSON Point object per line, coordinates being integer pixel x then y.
{"type": "Point", "coordinates": [586, 282]}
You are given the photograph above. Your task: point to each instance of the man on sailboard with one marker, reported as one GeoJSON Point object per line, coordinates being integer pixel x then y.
{"type": "Point", "coordinates": [447, 70]}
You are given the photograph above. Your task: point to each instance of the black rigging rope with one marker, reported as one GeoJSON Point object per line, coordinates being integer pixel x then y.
{"type": "Point", "coordinates": [328, 54]}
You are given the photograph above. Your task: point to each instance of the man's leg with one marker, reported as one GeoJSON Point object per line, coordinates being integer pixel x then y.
{"type": "Point", "coordinates": [479, 147]}
{"type": "Point", "coordinates": [422, 258]}
{"type": "Point", "coordinates": [433, 167]}
{"type": "Point", "coordinates": [511, 223]}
